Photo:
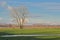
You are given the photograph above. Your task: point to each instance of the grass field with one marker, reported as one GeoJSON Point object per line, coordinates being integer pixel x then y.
{"type": "Point", "coordinates": [5, 31]}
{"type": "Point", "coordinates": [29, 31]}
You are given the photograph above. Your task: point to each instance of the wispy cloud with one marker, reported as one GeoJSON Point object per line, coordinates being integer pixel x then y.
{"type": "Point", "coordinates": [9, 7]}
{"type": "Point", "coordinates": [45, 5]}
{"type": "Point", "coordinates": [3, 3]}
{"type": "Point", "coordinates": [1, 18]}
{"type": "Point", "coordinates": [43, 21]}
{"type": "Point", "coordinates": [51, 6]}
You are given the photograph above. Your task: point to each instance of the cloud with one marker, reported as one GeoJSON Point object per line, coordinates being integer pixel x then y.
{"type": "Point", "coordinates": [45, 5]}
{"type": "Point", "coordinates": [9, 7]}
{"type": "Point", "coordinates": [44, 21]}
{"type": "Point", "coordinates": [1, 18]}
{"type": "Point", "coordinates": [51, 6]}
{"type": "Point", "coordinates": [3, 3]}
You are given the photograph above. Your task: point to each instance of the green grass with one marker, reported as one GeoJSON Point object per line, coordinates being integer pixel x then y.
{"type": "Point", "coordinates": [31, 31]}
{"type": "Point", "coordinates": [4, 31]}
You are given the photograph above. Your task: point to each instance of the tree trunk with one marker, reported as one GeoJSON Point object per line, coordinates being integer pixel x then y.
{"type": "Point", "coordinates": [21, 26]}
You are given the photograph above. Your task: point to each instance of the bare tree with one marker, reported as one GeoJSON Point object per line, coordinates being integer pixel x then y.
{"type": "Point", "coordinates": [19, 14]}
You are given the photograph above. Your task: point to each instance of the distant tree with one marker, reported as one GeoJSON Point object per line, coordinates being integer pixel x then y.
{"type": "Point", "coordinates": [19, 14]}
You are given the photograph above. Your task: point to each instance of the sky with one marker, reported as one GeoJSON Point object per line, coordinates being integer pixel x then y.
{"type": "Point", "coordinates": [39, 11]}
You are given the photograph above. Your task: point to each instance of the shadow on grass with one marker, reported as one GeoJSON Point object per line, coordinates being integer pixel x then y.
{"type": "Point", "coordinates": [26, 38]}
{"type": "Point", "coordinates": [5, 33]}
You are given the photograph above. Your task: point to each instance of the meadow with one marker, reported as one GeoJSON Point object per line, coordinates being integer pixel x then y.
{"type": "Point", "coordinates": [18, 31]}
{"type": "Point", "coordinates": [30, 31]}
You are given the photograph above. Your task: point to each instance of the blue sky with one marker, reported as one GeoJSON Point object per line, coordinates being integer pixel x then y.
{"type": "Point", "coordinates": [42, 11]}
